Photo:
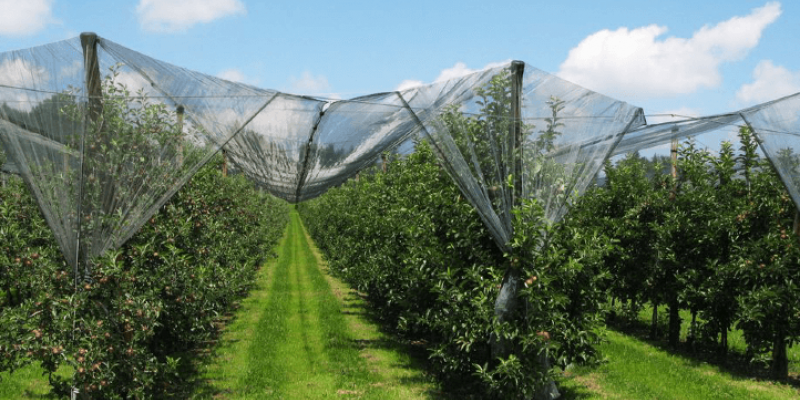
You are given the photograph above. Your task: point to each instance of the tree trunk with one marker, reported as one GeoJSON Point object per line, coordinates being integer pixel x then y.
{"type": "Point", "coordinates": [613, 312]}
{"type": "Point", "coordinates": [504, 306]}
{"type": "Point", "coordinates": [723, 340]}
{"type": "Point", "coordinates": [674, 322]}
{"type": "Point", "coordinates": [549, 391]}
{"type": "Point", "coordinates": [779, 368]}
{"type": "Point", "coordinates": [692, 337]}
{"type": "Point", "coordinates": [654, 322]}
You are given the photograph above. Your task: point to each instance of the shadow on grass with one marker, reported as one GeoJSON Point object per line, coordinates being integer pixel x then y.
{"type": "Point", "coordinates": [190, 382]}
{"type": "Point", "coordinates": [572, 389]}
{"type": "Point", "coordinates": [355, 303]}
{"type": "Point", "coordinates": [735, 362]}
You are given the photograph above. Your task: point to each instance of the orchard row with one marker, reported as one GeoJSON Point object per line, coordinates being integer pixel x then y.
{"type": "Point", "coordinates": [126, 331]}
{"type": "Point", "coordinates": [716, 239]}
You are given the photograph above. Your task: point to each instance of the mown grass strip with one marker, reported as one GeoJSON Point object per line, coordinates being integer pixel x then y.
{"type": "Point", "coordinates": [223, 377]}
{"type": "Point", "coordinates": [736, 340]}
{"type": "Point", "coordinates": [638, 370]}
{"type": "Point", "coordinates": [398, 373]}
{"type": "Point", "coordinates": [25, 383]}
{"type": "Point", "coordinates": [291, 339]}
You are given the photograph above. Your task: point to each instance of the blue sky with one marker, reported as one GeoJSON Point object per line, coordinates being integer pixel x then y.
{"type": "Point", "coordinates": [686, 57]}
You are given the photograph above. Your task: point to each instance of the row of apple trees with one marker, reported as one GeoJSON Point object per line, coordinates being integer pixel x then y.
{"type": "Point", "coordinates": [717, 240]}
{"type": "Point", "coordinates": [125, 330]}
{"type": "Point", "coordinates": [408, 239]}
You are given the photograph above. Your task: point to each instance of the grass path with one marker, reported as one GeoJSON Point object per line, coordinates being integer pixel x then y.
{"type": "Point", "coordinates": [638, 370]}
{"type": "Point", "coordinates": [302, 335]}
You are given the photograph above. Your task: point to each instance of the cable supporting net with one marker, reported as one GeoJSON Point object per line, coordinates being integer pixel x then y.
{"type": "Point", "coordinates": [104, 136]}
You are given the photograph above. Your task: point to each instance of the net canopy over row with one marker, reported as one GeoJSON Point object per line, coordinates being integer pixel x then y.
{"type": "Point", "coordinates": [104, 136]}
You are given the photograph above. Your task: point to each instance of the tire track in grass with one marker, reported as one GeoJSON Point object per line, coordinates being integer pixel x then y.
{"type": "Point", "coordinates": [399, 375]}
{"type": "Point", "coordinates": [292, 340]}
{"type": "Point", "coordinates": [262, 377]}
{"type": "Point", "coordinates": [342, 353]}
{"type": "Point", "coordinates": [302, 348]}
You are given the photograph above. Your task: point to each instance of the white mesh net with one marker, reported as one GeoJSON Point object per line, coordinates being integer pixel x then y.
{"type": "Point", "coordinates": [104, 136]}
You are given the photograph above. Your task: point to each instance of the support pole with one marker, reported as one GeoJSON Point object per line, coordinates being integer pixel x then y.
{"type": "Point", "coordinates": [796, 225]}
{"type": "Point", "coordinates": [224, 163]}
{"type": "Point", "coordinates": [304, 171]}
{"type": "Point", "coordinates": [517, 70]}
{"type": "Point", "coordinates": [674, 168]}
{"type": "Point", "coordinates": [94, 93]}
{"type": "Point", "coordinates": [674, 157]}
{"type": "Point", "coordinates": [507, 301]}
{"type": "Point", "coordinates": [92, 75]}
{"type": "Point", "coordinates": [179, 129]}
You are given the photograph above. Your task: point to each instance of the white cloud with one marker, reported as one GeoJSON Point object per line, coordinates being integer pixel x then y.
{"type": "Point", "coordinates": [135, 83]}
{"type": "Point", "coordinates": [408, 84]}
{"type": "Point", "coordinates": [73, 70]}
{"type": "Point", "coordinates": [640, 63]}
{"type": "Point", "coordinates": [309, 84]}
{"type": "Point", "coordinates": [25, 17]}
{"type": "Point", "coordinates": [236, 75]}
{"type": "Point", "coordinates": [456, 71]}
{"type": "Point", "coordinates": [770, 82]}
{"type": "Point", "coordinates": [19, 73]}
{"type": "Point", "coordinates": [179, 15]}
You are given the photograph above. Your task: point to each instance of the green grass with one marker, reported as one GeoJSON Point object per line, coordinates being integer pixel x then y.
{"type": "Point", "coordinates": [736, 341]}
{"type": "Point", "coordinates": [638, 370]}
{"type": "Point", "coordinates": [25, 383]}
{"type": "Point", "coordinates": [300, 336]}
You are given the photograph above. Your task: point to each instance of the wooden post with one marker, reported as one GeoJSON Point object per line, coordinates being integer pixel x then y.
{"type": "Point", "coordinates": [224, 163]}
{"type": "Point", "coordinates": [91, 65]}
{"type": "Point", "coordinates": [674, 168]}
{"type": "Point", "coordinates": [517, 70]}
{"type": "Point", "coordinates": [674, 156]}
{"type": "Point", "coordinates": [94, 93]}
{"type": "Point", "coordinates": [796, 225]}
{"type": "Point", "coordinates": [672, 302]}
{"type": "Point", "coordinates": [384, 159]}
{"type": "Point", "coordinates": [508, 300]}
{"type": "Point", "coordinates": [179, 128]}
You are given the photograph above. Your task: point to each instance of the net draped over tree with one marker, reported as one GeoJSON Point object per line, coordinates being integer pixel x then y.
{"type": "Point", "coordinates": [104, 136]}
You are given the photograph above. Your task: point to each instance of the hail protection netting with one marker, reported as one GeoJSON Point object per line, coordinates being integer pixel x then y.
{"type": "Point", "coordinates": [103, 136]}
{"type": "Point", "coordinates": [273, 148]}
{"type": "Point", "coordinates": [777, 126]}
{"type": "Point", "coordinates": [526, 133]}
{"type": "Point", "coordinates": [298, 147]}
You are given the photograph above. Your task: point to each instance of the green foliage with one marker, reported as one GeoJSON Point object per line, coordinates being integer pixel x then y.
{"type": "Point", "coordinates": [123, 331]}
{"type": "Point", "coordinates": [717, 241]}
{"type": "Point", "coordinates": [418, 250]}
